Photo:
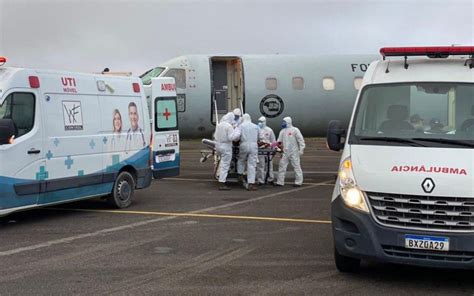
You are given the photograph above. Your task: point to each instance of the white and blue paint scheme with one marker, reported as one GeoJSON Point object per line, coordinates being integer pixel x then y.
{"type": "Point", "coordinates": [76, 136]}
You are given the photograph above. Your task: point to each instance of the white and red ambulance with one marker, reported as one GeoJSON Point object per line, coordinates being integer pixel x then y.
{"type": "Point", "coordinates": [405, 189]}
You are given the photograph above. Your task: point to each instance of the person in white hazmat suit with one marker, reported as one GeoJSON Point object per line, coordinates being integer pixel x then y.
{"type": "Point", "coordinates": [248, 150]}
{"type": "Point", "coordinates": [292, 148]}
{"type": "Point", "coordinates": [266, 136]}
{"type": "Point", "coordinates": [237, 119]}
{"type": "Point", "coordinates": [225, 134]}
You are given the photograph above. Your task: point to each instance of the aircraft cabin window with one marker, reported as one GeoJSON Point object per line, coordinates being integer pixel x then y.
{"type": "Point", "coordinates": [179, 76]}
{"type": "Point", "coordinates": [271, 83]}
{"type": "Point", "coordinates": [329, 83]}
{"type": "Point", "coordinates": [357, 83]}
{"type": "Point", "coordinates": [298, 83]}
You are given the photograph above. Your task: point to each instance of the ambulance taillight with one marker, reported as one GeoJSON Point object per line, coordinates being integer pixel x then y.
{"type": "Point", "coordinates": [136, 87]}
{"type": "Point", "coordinates": [150, 159]}
{"type": "Point", "coordinates": [34, 81]}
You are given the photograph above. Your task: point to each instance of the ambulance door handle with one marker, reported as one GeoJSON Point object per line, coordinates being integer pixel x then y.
{"type": "Point", "coordinates": [34, 151]}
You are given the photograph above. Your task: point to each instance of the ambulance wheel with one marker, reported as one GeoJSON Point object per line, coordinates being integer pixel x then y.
{"type": "Point", "coordinates": [122, 192]}
{"type": "Point", "coordinates": [346, 264]}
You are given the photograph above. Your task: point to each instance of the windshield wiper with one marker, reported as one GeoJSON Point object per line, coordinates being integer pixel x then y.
{"type": "Point", "coordinates": [445, 141]}
{"type": "Point", "coordinates": [413, 142]}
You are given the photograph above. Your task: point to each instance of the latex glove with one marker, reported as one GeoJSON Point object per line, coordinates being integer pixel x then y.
{"type": "Point", "coordinates": [301, 152]}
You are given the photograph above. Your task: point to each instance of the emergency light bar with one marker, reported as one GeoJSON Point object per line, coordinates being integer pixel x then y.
{"type": "Point", "coordinates": [3, 60]}
{"type": "Point", "coordinates": [431, 51]}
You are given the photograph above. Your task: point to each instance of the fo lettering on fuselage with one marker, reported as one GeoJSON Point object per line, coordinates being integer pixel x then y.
{"type": "Point", "coordinates": [359, 67]}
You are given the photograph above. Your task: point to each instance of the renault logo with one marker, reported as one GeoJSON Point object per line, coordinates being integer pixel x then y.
{"type": "Point", "coordinates": [428, 185]}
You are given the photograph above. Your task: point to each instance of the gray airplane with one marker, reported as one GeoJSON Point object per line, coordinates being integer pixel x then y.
{"type": "Point", "coordinates": [311, 89]}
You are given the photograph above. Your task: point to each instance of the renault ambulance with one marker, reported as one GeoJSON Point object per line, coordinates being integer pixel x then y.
{"type": "Point", "coordinates": [68, 136]}
{"type": "Point", "coordinates": [405, 187]}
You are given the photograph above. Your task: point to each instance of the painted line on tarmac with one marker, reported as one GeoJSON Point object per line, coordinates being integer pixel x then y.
{"type": "Point", "coordinates": [195, 215]}
{"type": "Point", "coordinates": [142, 223]}
{"type": "Point", "coordinates": [213, 180]}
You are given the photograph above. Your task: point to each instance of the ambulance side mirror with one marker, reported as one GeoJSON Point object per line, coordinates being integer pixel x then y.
{"type": "Point", "coordinates": [334, 135]}
{"type": "Point", "coordinates": [7, 131]}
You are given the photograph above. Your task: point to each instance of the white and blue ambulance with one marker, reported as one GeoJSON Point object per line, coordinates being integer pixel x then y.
{"type": "Point", "coordinates": [68, 136]}
{"type": "Point", "coordinates": [405, 188]}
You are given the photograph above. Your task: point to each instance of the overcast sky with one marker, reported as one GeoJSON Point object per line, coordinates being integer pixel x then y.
{"type": "Point", "coordinates": [89, 35]}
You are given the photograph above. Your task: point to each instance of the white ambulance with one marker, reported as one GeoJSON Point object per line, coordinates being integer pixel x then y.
{"type": "Point", "coordinates": [68, 136]}
{"type": "Point", "coordinates": [405, 188]}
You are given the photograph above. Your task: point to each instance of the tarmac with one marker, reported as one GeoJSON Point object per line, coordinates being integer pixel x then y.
{"type": "Point", "coordinates": [182, 236]}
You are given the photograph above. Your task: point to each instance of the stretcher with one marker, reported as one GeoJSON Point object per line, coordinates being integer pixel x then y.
{"type": "Point", "coordinates": [265, 150]}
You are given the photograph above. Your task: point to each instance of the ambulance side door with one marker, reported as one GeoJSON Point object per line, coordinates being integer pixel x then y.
{"type": "Point", "coordinates": [25, 157]}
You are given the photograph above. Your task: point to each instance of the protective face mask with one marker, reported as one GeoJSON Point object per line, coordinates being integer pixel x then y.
{"type": "Point", "coordinates": [236, 117]}
{"type": "Point", "coordinates": [260, 124]}
{"type": "Point", "coordinates": [284, 124]}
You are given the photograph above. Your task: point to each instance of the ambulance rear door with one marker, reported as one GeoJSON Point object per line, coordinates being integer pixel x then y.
{"type": "Point", "coordinates": [165, 146]}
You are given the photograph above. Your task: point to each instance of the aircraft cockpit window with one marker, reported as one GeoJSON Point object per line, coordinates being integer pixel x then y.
{"type": "Point", "coordinates": [271, 83]}
{"type": "Point", "coordinates": [357, 83]}
{"type": "Point", "coordinates": [329, 83]}
{"type": "Point", "coordinates": [298, 83]}
{"type": "Point", "coordinates": [147, 76]}
{"type": "Point", "coordinates": [179, 76]}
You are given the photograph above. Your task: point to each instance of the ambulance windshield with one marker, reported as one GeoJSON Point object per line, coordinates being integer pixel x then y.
{"type": "Point", "coordinates": [147, 76]}
{"type": "Point", "coordinates": [427, 114]}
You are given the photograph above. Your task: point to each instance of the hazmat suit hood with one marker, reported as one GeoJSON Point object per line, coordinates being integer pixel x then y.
{"type": "Point", "coordinates": [246, 118]}
{"type": "Point", "coordinates": [288, 121]}
{"type": "Point", "coordinates": [229, 117]}
{"type": "Point", "coordinates": [237, 112]}
{"type": "Point", "coordinates": [262, 122]}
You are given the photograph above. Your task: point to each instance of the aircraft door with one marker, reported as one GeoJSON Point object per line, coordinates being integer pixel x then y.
{"type": "Point", "coordinates": [219, 75]}
{"type": "Point", "coordinates": [227, 85]}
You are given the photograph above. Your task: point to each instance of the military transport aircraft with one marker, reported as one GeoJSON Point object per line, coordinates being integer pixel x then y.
{"type": "Point", "coordinates": [311, 89]}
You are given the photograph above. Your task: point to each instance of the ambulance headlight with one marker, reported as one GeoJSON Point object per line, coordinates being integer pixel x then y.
{"type": "Point", "coordinates": [353, 197]}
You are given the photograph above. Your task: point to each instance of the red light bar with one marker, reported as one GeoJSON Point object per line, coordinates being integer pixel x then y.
{"type": "Point", "coordinates": [34, 81]}
{"type": "Point", "coordinates": [136, 87]}
{"type": "Point", "coordinates": [431, 51]}
{"type": "Point", "coordinates": [3, 60]}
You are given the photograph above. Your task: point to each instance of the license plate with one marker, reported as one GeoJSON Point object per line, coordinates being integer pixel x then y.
{"type": "Point", "coordinates": [434, 243]}
{"type": "Point", "coordinates": [165, 158]}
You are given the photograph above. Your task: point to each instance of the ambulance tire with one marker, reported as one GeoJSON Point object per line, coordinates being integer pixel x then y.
{"type": "Point", "coordinates": [122, 192]}
{"type": "Point", "coordinates": [346, 264]}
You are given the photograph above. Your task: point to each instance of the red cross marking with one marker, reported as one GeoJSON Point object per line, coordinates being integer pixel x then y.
{"type": "Point", "coordinates": [167, 114]}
